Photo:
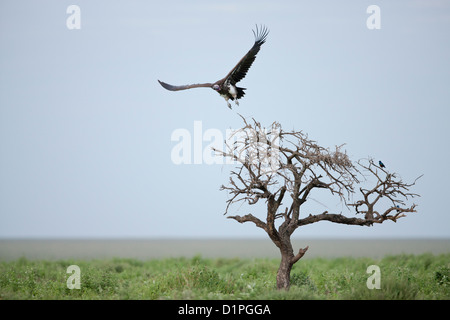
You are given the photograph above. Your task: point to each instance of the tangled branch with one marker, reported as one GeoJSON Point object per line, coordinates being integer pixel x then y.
{"type": "Point", "coordinates": [272, 162]}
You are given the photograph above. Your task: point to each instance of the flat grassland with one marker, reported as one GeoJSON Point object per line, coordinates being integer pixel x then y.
{"type": "Point", "coordinates": [424, 276]}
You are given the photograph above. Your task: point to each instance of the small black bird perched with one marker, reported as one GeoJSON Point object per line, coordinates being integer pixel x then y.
{"type": "Point", "coordinates": [381, 164]}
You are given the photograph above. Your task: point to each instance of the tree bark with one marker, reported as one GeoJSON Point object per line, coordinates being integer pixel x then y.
{"type": "Point", "coordinates": [284, 272]}
{"type": "Point", "coordinates": [288, 259]}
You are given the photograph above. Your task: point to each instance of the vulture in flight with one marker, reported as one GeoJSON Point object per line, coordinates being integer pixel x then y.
{"type": "Point", "coordinates": [226, 87]}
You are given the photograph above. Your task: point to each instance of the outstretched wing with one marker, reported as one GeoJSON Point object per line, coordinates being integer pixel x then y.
{"type": "Point", "coordinates": [188, 86]}
{"type": "Point", "coordinates": [240, 70]}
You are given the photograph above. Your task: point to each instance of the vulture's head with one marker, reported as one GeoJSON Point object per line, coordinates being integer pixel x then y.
{"type": "Point", "coordinates": [216, 87]}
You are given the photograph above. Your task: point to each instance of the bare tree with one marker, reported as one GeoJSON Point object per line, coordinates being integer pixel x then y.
{"type": "Point", "coordinates": [272, 163]}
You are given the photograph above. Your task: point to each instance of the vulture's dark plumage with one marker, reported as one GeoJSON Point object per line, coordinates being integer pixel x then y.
{"type": "Point", "coordinates": [226, 87]}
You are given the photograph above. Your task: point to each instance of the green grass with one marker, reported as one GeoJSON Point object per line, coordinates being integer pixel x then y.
{"type": "Point", "coordinates": [402, 277]}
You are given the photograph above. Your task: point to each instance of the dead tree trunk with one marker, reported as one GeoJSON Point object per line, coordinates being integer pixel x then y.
{"type": "Point", "coordinates": [288, 259]}
{"type": "Point", "coordinates": [284, 271]}
{"type": "Point", "coordinates": [282, 239]}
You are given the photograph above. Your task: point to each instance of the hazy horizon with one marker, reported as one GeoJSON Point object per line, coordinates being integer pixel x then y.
{"type": "Point", "coordinates": [145, 249]}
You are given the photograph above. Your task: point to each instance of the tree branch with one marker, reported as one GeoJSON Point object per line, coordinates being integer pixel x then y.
{"type": "Point", "coordinates": [336, 218]}
{"type": "Point", "coordinates": [299, 167]}
{"type": "Point", "coordinates": [250, 218]}
{"type": "Point", "coordinates": [300, 254]}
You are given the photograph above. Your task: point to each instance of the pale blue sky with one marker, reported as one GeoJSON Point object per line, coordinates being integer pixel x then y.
{"type": "Point", "coordinates": [85, 128]}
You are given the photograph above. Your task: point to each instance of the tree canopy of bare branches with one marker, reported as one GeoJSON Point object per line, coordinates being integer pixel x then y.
{"type": "Point", "coordinates": [283, 168]}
